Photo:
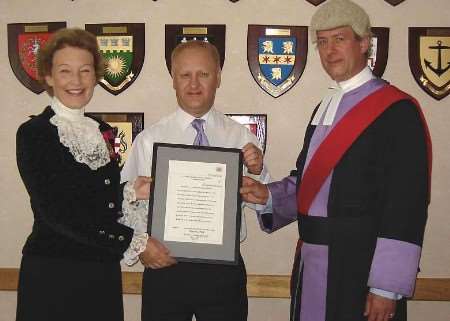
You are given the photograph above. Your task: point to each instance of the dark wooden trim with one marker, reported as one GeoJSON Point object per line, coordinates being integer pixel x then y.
{"type": "Point", "coordinates": [9, 279]}
{"type": "Point", "coordinates": [258, 286]}
{"type": "Point", "coordinates": [432, 289]}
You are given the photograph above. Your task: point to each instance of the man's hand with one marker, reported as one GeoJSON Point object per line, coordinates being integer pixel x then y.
{"type": "Point", "coordinates": [379, 308]}
{"type": "Point", "coordinates": [142, 187]}
{"type": "Point", "coordinates": [253, 191]}
{"type": "Point", "coordinates": [156, 255]}
{"type": "Point", "coordinates": [253, 158]}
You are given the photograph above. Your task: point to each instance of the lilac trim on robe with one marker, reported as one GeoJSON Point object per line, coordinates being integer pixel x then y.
{"type": "Point", "coordinates": [394, 266]}
{"type": "Point", "coordinates": [310, 284]}
{"type": "Point", "coordinates": [284, 204]}
{"type": "Point", "coordinates": [315, 282]}
{"type": "Point", "coordinates": [350, 99]}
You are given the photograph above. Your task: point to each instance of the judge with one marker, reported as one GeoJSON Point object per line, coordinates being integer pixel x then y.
{"type": "Point", "coordinates": [362, 190]}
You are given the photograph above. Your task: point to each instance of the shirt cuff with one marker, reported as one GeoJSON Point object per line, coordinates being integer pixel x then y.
{"type": "Point", "coordinates": [386, 294]}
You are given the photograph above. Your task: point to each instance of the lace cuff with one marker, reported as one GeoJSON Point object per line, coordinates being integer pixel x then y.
{"type": "Point", "coordinates": [129, 193]}
{"type": "Point", "coordinates": [134, 211]}
{"type": "Point", "coordinates": [137, 246]}
{"type": "Point", "coordinates": [135, 216]}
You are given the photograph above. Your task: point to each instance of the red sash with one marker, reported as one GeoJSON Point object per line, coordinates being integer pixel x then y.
{"type": "Point", "coordinates": [346, 131]}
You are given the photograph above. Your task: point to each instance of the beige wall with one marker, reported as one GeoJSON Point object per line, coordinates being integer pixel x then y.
{"type": "Point", "coordinates": [287, 116]}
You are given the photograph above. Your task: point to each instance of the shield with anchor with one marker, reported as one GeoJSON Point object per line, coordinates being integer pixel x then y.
{"type": "Point", "coordinates": [429, 59]}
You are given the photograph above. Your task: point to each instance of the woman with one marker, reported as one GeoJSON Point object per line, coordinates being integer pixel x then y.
{"type": "Point", "coordinates": [70, 266]}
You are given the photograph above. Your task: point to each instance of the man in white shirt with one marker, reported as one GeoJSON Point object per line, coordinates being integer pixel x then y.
{"type": "Point", "coordinates": [362, 190]}
{"type": "Point", "coordinates": [177, 291]}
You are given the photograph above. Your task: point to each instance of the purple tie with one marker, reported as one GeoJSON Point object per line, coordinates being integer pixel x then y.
{"type": "Point", "coordinates": [200, 139]}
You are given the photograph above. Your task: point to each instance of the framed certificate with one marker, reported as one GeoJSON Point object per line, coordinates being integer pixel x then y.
{"type": "Point", "coordinates": [195, 205]}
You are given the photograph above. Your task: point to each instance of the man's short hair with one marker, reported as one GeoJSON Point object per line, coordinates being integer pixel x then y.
{"type": "Point", "coordinates": [193, 44]}
{"type": "Point", "coordinates": [340, 13]}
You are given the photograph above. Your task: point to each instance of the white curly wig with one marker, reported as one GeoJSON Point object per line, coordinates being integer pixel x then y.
{"type": "Point", "coordinates": [340, 13]}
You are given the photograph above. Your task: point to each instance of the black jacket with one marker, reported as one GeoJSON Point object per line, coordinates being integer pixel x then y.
{"type": "Point", "coordinates": [75, 208]}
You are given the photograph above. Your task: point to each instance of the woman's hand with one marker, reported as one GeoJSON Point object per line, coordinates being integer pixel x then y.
{"type": "Point", "coordinates": [156, 255]}
{"type": "Point", "coordinates": [142, 187]}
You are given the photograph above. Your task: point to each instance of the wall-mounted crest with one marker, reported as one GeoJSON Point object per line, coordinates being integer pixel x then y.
{"type": "Point", "coordinates": [429, 59]}
{"type": "Point", "coordinates": [214, 34]}
{"type": "Point", "coordinates": [24, 41]}
{"type": "Point", "coordinates": [276, 56]}
{"type": "Point", "coordinates": [127, 126]}
{"type": "Point", "coordinates": [123, 48]}
{"type": "Point", "coordinates": [316, 2]}
{"type": "Point", "coordinates": [256, 123]}
{"type": "Point", "coordinates": [394, 2]}
{"type": "Point", "coordinates": [378, 55]}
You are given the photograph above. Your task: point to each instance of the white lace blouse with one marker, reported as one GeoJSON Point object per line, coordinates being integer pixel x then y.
{"type": "Point", "coordinates": [81, 135]}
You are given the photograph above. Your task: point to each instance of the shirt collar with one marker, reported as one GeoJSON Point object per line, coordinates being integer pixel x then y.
{"type": "Point", "coordinates": [331, 101]}
{"type": "Point", "coordinates": [359, 79]}
{"type": "Point", "coordinates": [185, 119]}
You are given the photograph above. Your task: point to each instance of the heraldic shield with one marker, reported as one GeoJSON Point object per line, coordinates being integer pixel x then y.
{"type": "Point", "coordinates": [123, 48]}
{"type": "Point", "coordinates": [378, 54]}
{"type": "Point", "coordinates": [256, 123]}
{"type": "Point", "coordinates": [316, 2]}
{"type": "Point", "coordinates": [24, 41]}
{"type": "Point", "coordinates": [429, 59]}
{"type": "Point", "coordinates": [176, 34]}
{"type": "Point", "coordinates": [394, 2]}
{"type": "Point", "coordinates": [126, 126]}
{"type": "Point", "coordinates": [276, 56]}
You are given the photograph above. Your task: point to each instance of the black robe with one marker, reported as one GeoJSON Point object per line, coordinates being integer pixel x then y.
{"type": "Point", "coordinates": [378, 193]}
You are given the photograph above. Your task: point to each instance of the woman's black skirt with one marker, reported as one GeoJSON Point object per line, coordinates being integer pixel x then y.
{"type": "Point", "coordinates": [54, 289]}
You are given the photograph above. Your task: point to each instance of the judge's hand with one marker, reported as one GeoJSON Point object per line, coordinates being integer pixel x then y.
{"type": "Point", "coordinates": [142, 187]}
{"type": "Point", "coordinates": [253, 191]}
{"type": "Point", "coordinates": [379, 308]}
{"type": "Point", "coordinates": [253, 158]}
{"type": "Point", "coordinates": [156, 255]}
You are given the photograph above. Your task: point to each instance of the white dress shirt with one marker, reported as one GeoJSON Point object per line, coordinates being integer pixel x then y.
{"type": "Point", "coordinates": [176, 128]}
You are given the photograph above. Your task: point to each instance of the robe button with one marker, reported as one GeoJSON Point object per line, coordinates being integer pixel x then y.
{"type": "Point", "coordinates": [111, 205]}
{"type": "Point", "coordinates": [107, 181]}
{"type": "Point", "coordinates": [121, 238]}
